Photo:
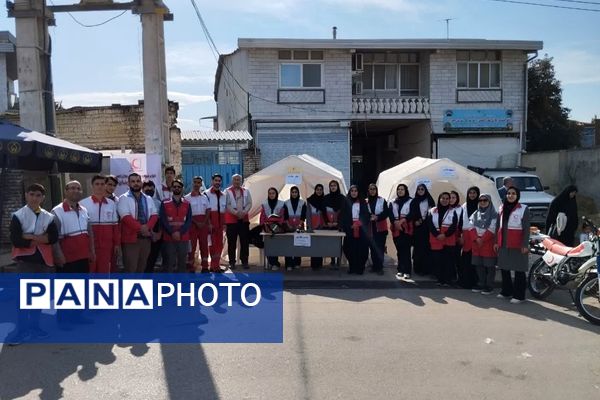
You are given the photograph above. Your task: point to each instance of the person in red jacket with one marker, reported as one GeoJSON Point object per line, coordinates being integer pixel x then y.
{"type": "Point", "coordinates": [216, 221]}
{"type": "Point", "coordinates": [105, 224]}
{"type": "Point", "coordinates": [483, 236]}
{"type": "Point", "coordinates": [199, 228]}
{"type": "Point", "coordinates": [176, 219]}
{"type": "Point", "coordinates": [138, 216]}
{"type": "Point", "coordinates": [239, 203]}
{"type": "Point", "coordinates": [442, 222]}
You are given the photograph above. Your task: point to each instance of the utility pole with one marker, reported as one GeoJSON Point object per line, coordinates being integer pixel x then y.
{"type": "Point", "coordinates": [448, 26]}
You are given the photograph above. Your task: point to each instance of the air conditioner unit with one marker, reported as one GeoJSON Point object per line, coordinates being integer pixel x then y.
{"type": "Point", "coordinates": [357, 87]}
{"type": "Point", "coordinates": [357, 62]}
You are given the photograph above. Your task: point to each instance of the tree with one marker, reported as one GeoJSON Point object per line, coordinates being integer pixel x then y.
{"type": "Point", "coordinates": [548, 125]}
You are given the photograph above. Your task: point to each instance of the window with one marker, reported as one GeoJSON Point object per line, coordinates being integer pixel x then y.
{"type": "Point", "coordinates": [404, 78]}
{"type": "Point", "coordinates": [478, 69]}
{"type": "Point", "coordinates": [303, 74]}
{"type": "Point", "coordinates": [300, 75]}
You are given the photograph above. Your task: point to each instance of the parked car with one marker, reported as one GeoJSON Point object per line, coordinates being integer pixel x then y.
{"type": "Point", "coordinates": [532, 192]}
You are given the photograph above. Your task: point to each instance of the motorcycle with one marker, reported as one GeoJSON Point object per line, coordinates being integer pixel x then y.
{"type": "Point", "coordinates": [560, 265]}
{"type": "Point", "coordinates": [587, 295]}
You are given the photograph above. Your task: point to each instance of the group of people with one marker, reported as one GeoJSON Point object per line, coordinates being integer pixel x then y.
{"type": "Point", "coordinates": [88, 235]}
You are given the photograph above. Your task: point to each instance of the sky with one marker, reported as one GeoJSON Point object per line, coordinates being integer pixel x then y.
{"type": "Point", "coordinates": [102, 65]}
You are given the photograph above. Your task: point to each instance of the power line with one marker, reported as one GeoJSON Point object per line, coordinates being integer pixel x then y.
{"type": "Point", "coordinates": [549, 5]}
{"type": "Point", "coordinates": [581, 2]}
{"type": "Point", "coordinates": [93, 25]}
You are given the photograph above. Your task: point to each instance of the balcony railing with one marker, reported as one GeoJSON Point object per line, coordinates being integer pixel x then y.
{"type": "Point", "coordinates": [416, 105]}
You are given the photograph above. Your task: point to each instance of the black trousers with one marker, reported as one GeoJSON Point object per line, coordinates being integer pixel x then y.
{"type": "Point", "coordinates": [74, 267]}
{"type": "Point", "coordinates": [240, 229]}
{"type": "Point", "coordinates": [316, 262]}
{"type": "Point", "coordinates": [356, 251]}
{"type": "Point", "coordinates": [403, 243]}
{"type": "Point", "coordinates": [292, 261]}
{"type": "Point", "coordinates": [421, 250]}
{"type": "Point", "coordinates": [443, 264]}
{"type": "Point", "coordinates": [155, 250]}
{"type": "Point", "coordinates": [515, 288]}
{"type": "Point", "coordinates": [467, 273]}
{"type": "Point", "coordinates": [377, 248]}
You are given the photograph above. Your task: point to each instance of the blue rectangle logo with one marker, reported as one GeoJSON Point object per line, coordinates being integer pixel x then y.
{"type": "Point", "coordinates": [138, 308]}
{"type": "Point", "coordinates": [478, 120]}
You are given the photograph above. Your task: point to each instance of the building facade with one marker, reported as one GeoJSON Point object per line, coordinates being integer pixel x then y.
{"type": "Point", "coordinates": [366, 105]}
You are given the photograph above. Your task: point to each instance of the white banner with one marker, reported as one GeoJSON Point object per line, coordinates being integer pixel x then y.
{"type": "Point", "coordinates": [146, 165]}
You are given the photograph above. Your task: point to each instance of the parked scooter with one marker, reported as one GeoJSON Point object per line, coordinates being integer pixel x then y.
{"type": "Point", "coordinates": [560, 265]}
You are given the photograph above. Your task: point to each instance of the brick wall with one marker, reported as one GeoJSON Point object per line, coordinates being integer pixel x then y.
{"type": "Point", "coordinates": [251, 162]}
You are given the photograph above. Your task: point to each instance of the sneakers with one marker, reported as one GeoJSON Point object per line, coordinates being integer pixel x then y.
{"type": "Point", "coordinates": [501, 296]}
{"type": "Point", "coordinates": [274, 268]}
{"type": "Point", "coordinates": [487, 291]}
{"type": "Point", "coordinates": [18, 338]}
{"type": "Point", "coordinates": [406, 276]}
{"type": "Point", "coordinates": [516, 301]}
{"type": "Point", "coordinates": [399, 276]}
{"type": "Point", "coordinates": [476, 289]}
{"type": "Point", "coordinates": [289, 268]}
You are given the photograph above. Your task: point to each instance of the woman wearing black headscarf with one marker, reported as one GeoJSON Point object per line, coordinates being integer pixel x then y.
{"type": "Point", "coordinates": [294, 211]}
{"type": "Point", "coordinates": [402, 230]}
{"type": "Point", "coordinates": [419, 208]}
{"type": "Point", "coordinates": [355, 219]}
{"type": "Point", "coordinates": [565, 203]}
{"type": "Point", "coordinates": [467, 275]}
{"type": "Point", "coordinates": [334, 201]}
{"type": "Point", "coordinates": [442, 223]}
{"type": "Point", "coordinates": [512, 245]}
{"type": "Point", "coordinates": [316, 215]}
{"type": "Point", "coordinates": [271, 215]}
{"type": "Point", "coordinates": [378, 228]}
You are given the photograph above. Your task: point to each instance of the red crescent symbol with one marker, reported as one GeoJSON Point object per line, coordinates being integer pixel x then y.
{"type": "Point", "coordinates": [135, 164]}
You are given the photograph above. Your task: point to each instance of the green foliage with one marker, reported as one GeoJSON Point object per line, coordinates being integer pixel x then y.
{"type": "Point", "coordinates": [548, 125]}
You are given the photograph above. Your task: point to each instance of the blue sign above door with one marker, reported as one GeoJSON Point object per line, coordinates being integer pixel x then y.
{"type": "Point", "coordinates": [478, 120]}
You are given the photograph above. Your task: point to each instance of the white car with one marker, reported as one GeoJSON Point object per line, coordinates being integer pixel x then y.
{"type": "Point", "coordinates": [532, 192]}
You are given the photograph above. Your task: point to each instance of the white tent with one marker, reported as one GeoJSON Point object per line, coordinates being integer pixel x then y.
{"type": "Point", "coordinates": [441, 175]}
{"type": "Point", "coordinates": [303, 171]}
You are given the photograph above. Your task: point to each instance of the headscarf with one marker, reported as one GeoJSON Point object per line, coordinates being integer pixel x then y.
{"type": "Point", "coordinates": [350, 197]}
{"type": "Point", "coordinates": [457, 204]}
{"type": "Point", "coordinates": [442, 209]}
{"type": "Point", "coordinates": [415, 206]}
{"type": "Point", "coordinates": [400, 201]}
{"type": "Point", "coordinates": [334, 200]}
{"type": "Point", "coordinates": [565, 204]}
{"type": "Point", "coordinates": [507, 207]}
{"type": "Point", "coordinates": [316, 201]}
{"type": "Point", "coordinates": [372, 199]}
{"type": "Point", "coordinates": [484, 216]}
{"type": "Point", "coordinates": [294, 201]}
{"type": "Point", "coordinates": [472, 205]}
{"type": "Point", "coordinates": [273, 203]}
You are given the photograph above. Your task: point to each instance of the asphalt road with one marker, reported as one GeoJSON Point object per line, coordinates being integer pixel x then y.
{"type": "Point", "coordinates": [342, 344]}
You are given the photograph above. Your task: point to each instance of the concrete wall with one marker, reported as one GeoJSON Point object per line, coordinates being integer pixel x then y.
{"type": "Point", "coordinates": [483, 151]}
{"type": "Point", "coordinates": [232, 101]}
{"type": "Point", "coordinates": [413, 141]}
{"type": "Point", "coordinates": [4, 99]}
{"type": "Point", "coordinates": [558, 169]}
{"type": "Point", "coordinates": [263, 81]}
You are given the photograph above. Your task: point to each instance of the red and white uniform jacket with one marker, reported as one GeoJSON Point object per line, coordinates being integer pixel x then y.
{"type": "Point", "coordinates": [105, 221]}
{"type": "Point", "coordinates": [463, 229]}
{"type": "Point", "coordinates": [266, 211]}
{"type": "Point", "coordinates": [176, 218]}
{"type": "Point", "coordinates": [400, 215]}
{"type": "Point", "coordinates": [199, 204]}
{"type": "Point", "coordinates": [514, 239]}
{"type": "Point", "coordinates": [232, 200]}
{"type": "Point", "coordinates": [165, 192]}
{"type": "Point", "coordinates": [34, 225]}
{"type": "Point", "coordinates": [380, 208]}
{"type": "Point", "coordinates": [486, 235]}
{"type": "Point", "coordinates": [316, 217]}
{"type": "Point", "coordinates": [332, 216]}
{"type": "Point", "coordinates": [216, 204]}
{"type": "Point", "coordinates": [295, 217]}
{"type": "Point", "coordinates": [73, 234]}
{"type": "Point", "coordinates": [128, 212]}
{"type": "Point", "coordinates": [448, 228]}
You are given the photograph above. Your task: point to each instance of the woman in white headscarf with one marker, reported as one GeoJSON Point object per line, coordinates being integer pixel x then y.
{"type": "Point", "coordinates": [483, 238]}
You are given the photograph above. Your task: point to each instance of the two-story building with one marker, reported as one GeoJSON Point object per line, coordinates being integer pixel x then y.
{"type": "Point", "coordinates": [366, 105]}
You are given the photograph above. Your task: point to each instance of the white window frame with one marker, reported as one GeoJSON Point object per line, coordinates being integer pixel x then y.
{"type": "Point", "coordinates": [490, 87]}
{"type": "Point", "coordinates": [398, 89]}
{"type": "Point", "coordinates": [301, 64]}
